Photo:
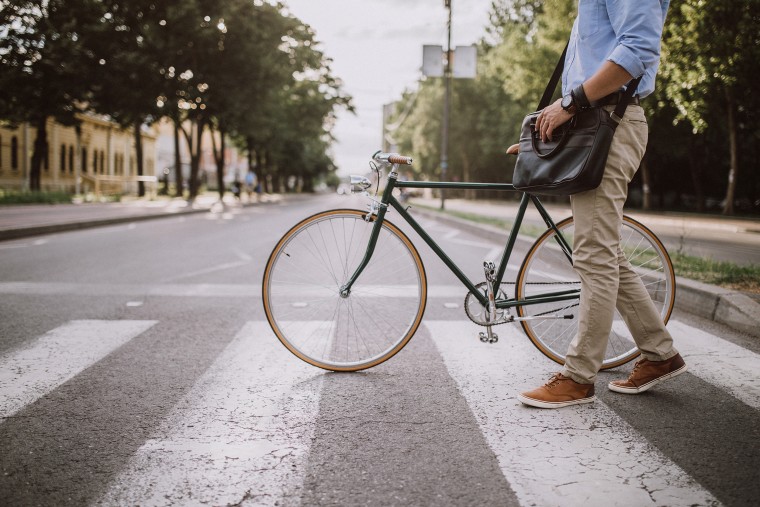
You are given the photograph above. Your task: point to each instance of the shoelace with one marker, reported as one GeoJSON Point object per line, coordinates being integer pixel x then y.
{"type": "Point", "coordinates": [553, 381]}
{"type": "Point", "coordinates": [636, 367]}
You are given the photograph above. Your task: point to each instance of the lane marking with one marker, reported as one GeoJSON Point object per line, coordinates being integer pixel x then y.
{"type": "Point", "coordinates": [59, 355]}
{"type": "Point", "coordinates": [585, 455]}
{"type": "Point", "coordinates": [719, 362]}
{"type": "Point", "coordinates": [242, 433]}
{"type": "Point", "coordinates": [191, 289]}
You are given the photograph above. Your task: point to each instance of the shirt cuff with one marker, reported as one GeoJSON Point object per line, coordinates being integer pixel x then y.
{"type": "Point", "coordinates": [626, 58]}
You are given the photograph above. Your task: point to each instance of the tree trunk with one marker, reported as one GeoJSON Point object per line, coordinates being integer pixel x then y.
{"type": "Point", "coordinates": [468, 193]}
{"type": "Point", "coordinates": [646, 185]}
{"type": "Point", "coordinates": [178, 179]}
{"type": "Point", "coordinates": [264, 179]}
{"type": "Point", "coordinates": [733, 172]}
{"type": "Point", "coordinates": [139, 157]}
{"type": "Point", "coordinates": [249, 153]}
{"type": "Point", "coordinates": [696, 171]}
{"type": "Point", "coordinates": [194, 147]}
{"type": "Point", "coordinates": [38, 155]}
{"type": "Point", "coordinates": [219, 159]}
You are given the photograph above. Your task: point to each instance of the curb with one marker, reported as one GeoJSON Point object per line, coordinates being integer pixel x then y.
{"type": "Point", "coordinates": [25, 232]}
{"type": "Point", "coordinates": [724, 306]}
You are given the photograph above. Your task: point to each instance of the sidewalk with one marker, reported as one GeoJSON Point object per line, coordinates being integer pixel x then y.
{"type": "Point", "coordinates": [20, 221]}
{"type": "Point", "coordinates": [734, 309]}
{"type": "Point", "coordinates": [732, 239]}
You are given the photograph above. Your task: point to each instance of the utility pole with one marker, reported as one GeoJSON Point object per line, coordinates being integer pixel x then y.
{"type": "Point", "coordinates": [446, 107]}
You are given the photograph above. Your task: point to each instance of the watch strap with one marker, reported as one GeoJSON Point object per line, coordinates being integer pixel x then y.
{"type": "Point", "coordinates": [579, 98]}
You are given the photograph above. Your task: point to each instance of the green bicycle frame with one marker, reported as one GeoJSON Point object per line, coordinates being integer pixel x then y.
{"type": "Point", "coordinates": [388, 199]}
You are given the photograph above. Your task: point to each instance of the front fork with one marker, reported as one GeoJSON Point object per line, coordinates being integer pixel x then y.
{"type": "Point", "coordinates": [380, 208]}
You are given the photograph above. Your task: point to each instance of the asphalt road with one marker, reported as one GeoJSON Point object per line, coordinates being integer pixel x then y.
{"type": "Point", "coordinates": [137, 368]}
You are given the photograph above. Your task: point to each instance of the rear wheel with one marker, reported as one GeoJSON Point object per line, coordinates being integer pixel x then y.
{"type": "Point", "coordinates": [302, 300]}
{"type": "Point", "coordinates": [547, 268]}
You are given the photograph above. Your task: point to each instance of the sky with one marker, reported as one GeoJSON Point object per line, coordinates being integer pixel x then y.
{"type": "Point", "coordinates": [376, 48]}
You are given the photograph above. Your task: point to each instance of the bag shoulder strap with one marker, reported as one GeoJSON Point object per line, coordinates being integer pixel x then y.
{"type": "Point", "coordinates": [554, 80]}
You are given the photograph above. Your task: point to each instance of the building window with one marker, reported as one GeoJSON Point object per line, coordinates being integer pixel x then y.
{"type": "Point", "coordinates": [14, 153]}
{"type": "Point", "coordinates": [47, 157]}
{"type": "Point", "coordinates": [102, 162]}
{"type": "Point", "coordinates": [84, 159]}
{"type": "Point", "coordinates": [71, 159]}
{"type": "Point", "coordinates": [63, 158]}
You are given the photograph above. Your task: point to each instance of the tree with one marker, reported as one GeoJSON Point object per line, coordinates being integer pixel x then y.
{"type": "Point", "coordinates": [44, 68]}
{"type": "Point", "coordinates": [127, 83]}
{"type": "Point", "coordinates": [710, 57]}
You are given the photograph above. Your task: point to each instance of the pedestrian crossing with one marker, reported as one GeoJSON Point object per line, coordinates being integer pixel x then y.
{"type": "Point", "coordinates": [242, 434]}
{"type": "Point", "coordinates": [61, 354]}
{"type": "Point", "coordinates": [588, 454]}
{"type": "Point", "coordinates": [247, 413]}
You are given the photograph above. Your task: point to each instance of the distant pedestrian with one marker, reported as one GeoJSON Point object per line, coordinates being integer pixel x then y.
{"type": "Point", "coordinates": [250, 184]}
{"type": "Point", "coordinates": [236, 188]}
{"type": "Point", "coordinates": [611, 43]}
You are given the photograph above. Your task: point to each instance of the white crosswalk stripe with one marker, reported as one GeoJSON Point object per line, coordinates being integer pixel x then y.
{"type": "Point", "coordinates": [583, 456]}
{"type": "Point", "coordinates": [720, 362]}
{"type": "Point", "coordinates": [242, 433]}
{"type": "Point", "coordinates": [61, 354]}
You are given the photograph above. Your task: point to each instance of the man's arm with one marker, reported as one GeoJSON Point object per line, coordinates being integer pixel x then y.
{"type": "Point", "coordinates": [638, 29]}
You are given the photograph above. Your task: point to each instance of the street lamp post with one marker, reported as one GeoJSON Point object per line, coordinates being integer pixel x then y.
{"type": "Point", "coordinates": [446, 108]}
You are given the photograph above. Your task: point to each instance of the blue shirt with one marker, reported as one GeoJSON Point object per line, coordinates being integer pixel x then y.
{"type": "Point", "coordinates": [626, 32]}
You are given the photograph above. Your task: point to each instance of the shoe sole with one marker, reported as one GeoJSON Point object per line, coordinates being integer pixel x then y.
{"type": "Point", "coordinates": [553, 404]}
{"type": "Point", "coordinates": [648, 385]}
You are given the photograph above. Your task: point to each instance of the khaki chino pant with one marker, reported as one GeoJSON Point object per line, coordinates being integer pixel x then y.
{"type": "Point", "coordinates": [607, 279]}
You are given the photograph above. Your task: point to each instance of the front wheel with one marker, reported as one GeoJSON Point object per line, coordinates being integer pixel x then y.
{"type": "Point", "coordinates": [547, 268]}
{"type": "Point", "coordinates": [303, 301]}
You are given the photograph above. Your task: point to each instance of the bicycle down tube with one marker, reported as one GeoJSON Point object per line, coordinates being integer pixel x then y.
{"type": "Point", "coordinates": [388, 199]}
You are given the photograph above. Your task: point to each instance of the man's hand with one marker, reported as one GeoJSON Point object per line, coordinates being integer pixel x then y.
{"type": "Point", "coordinates": [550, 118]}
{"type": "Point", "coordinates": [513, 150]}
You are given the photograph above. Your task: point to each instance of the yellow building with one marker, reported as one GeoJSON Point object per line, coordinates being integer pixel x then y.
{"type": "Point", "coordinates": [102, 160]}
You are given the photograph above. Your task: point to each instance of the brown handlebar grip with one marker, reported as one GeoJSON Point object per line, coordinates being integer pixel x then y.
{"type": "Point", "coordinates": [400, 159]}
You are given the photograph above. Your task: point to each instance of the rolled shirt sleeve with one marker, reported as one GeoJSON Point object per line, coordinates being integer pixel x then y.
{"type": "Point", "coordinates": [638, 28]}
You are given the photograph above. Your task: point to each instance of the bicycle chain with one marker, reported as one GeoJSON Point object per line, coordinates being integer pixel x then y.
{"type": "Point", "coordinates": [467, 311]}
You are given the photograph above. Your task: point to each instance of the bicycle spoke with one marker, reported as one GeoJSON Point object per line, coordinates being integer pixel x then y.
{"type": "Point", "coordinates": [305, 306]}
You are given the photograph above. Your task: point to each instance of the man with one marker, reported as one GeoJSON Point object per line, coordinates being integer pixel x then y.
{"type": "Point", "coordinates": [611, 43]}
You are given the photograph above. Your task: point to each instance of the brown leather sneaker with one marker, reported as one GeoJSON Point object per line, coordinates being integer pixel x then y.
{"type": "Point", "coordinates": [560, 391]}
{"type": "Point", "coordinates": [646, 374]}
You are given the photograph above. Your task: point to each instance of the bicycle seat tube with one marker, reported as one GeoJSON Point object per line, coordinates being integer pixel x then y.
{"type": "Point", "coordinates": [382, 208]}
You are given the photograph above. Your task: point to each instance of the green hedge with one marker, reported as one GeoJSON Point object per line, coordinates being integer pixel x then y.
{"type": "Point", "coordinates": [16, 197]}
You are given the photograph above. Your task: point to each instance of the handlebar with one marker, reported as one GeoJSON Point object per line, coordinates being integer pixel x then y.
{"type": "Point", "coordinates": [392, 158]}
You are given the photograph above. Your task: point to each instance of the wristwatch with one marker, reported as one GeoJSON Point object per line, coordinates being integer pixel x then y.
{"type": "Point", "coordinates": [575, 101]}
{"type": "Point", "coordinates": [568, 103]}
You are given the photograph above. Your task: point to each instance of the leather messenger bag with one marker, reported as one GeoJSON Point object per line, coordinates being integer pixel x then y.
{"type": "Point", "coordinates": [573, 160]}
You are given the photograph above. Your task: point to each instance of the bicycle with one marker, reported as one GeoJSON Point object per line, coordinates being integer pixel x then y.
{"type": "Point", "coordinates": [346, 289]}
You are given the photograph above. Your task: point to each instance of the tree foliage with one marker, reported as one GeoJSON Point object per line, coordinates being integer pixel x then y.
{"type": "Point", "coordinates": [249, 71]}
{"type": "Point", "coordinates": [695, 155]}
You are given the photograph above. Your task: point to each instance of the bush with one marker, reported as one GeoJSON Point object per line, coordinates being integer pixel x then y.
{"type": "Point", "coordinates": [16, 197]}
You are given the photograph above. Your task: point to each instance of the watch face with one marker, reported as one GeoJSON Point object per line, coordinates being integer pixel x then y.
{"type": "Point", "coordinates": [567, 101]}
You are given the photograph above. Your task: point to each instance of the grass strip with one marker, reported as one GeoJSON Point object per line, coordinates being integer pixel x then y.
{"type": "Point", "coordinates": [723, 274]}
